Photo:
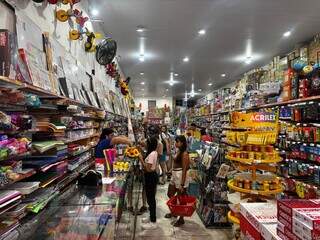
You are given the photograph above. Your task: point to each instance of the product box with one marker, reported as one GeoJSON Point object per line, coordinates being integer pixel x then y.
{"type": "Point", "coordinates": [304, 231]}
{"type": "Point", "coordinates": [8, 53]}
{"type": "Point", "coordinates": [285, 234]}
{"type": "Point", "coordinates": [287, 206]}
{"type": "Point", "coordinates": [254, 215]}
{"type": "Point", "coordinates": [310, 217]}
{"type": "Point", "coordinates": [269, 232]}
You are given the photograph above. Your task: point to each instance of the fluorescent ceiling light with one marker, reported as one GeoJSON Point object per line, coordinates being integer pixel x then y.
{"type": "Point", "coordinates": [142, 83]}
{"type": "Point", "coordinates": [202, 32]}
{"type": "Point", "coordinates": [142, 73]}
{"type": "Point", "coordinates": [287, 34]}
{"type": "Point", "coordinates": [142, 89]}
{"type": "Point", "coordinates": [200, 90]}
{"type": "Point", "coordinates": [223, 75]}
{"type": "Point", "coordinates": [141, 58]}
{"type": "Point", "coordinates": [167, 89]}
{"type": "Point", "coordinates": [210, 84]}
{"type": "Point", "coordinates": [248, 60]}
{"type": "Point", "coordinates": [186, 59]}
{"type": "Point", "coordinates": [94, 12]}
{"type": "Point", "coordinates": [176, 74]}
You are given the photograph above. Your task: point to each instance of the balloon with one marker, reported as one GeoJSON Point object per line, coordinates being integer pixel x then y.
{"type": "Point", "coordinates": [299, 65]}
{"type": "Point", "coordinates": [307, 69]}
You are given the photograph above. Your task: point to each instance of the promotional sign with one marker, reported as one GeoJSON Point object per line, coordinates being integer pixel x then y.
{"type": "Point", "coordinates": [255, 119]}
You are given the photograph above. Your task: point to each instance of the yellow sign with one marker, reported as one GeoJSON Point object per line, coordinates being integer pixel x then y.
{"type": "Point", "coordinates": [263, 119]}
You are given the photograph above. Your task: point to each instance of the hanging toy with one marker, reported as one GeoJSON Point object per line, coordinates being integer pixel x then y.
{"type": "Point", "coordinates": [299, 65]}
{"type": "Point", "coordinates": [64, 15]}
{"type": "Point", "coordinates": [89, 45]}
{"type": "Point", "coordinates": [307, 69]}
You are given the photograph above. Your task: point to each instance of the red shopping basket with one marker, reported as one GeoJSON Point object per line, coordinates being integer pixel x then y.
{"type": "Point", "coordinates": [182, 205]}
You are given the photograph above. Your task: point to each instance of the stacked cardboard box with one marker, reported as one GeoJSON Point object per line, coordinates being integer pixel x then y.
{"type": "Point", "coordinates": [258, 221]}
{"type": "Point", "coordinates": [298, 219]}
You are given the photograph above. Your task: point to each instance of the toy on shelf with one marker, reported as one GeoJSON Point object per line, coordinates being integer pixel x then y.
{"type": "Point", "coordinates": [132, 152]}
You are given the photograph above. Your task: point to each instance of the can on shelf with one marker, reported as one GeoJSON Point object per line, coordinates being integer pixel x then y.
{"type": "Point", "coordinates": [247, 184]}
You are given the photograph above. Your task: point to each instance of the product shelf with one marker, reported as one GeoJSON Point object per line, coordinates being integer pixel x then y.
{"type": "Point", "coordinates": [82, 138]}
{"type": "Point", "coordinates": [253, 192]}
{"type": "Point", "coordinates": [233, 219]}
{"type": "Point", "coordinates": [253, 161]}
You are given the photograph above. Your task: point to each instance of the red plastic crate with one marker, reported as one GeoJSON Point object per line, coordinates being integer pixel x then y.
{"type": "Point", "coordinates": [184, 205]}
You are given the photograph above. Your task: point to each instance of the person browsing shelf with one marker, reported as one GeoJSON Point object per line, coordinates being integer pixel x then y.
{"type": "Point", "coordinates": [180, 179]}
{"type": "Point", "coordinates": [150, 164]}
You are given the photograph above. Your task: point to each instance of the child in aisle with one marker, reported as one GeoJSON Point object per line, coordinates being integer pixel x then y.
{"type": "Point", "coordinates": [151, 180]}
{"type": "Point", "coordinates": [180, 179]}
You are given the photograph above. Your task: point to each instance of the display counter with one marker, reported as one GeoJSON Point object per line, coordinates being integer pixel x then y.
{"type": "Point", "coordinates": [83, 212]}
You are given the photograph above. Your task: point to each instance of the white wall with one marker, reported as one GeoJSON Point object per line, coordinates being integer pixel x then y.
{"type": "Point", "coordinates": [43, 16]}
{"type": "Point", "coordinates": [159, 101]}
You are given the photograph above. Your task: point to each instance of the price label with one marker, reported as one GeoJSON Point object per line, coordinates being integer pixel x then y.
{"type": "Point", "coordinates": [254, 192]}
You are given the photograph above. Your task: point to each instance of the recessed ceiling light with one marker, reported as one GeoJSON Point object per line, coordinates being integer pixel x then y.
{"type": "Point", "coordinates": [199, 89]}
{"type": "Point", "coordinates": [223, 75]}
{"type": "Point", "coordinates": [202, 32]}
{"type": "Point", "coordinates": [167, 89]}
{"type": "Point", "coordinates": [142, 83]}
{"type": "Point", "coordinates": [287, 34]}
{"type": "Point", "coordinates": [141, 58]}
{"type": "Point", "coordinates": [186, 59]}
{"type": "Point", "coordinates": [140, 29]}
{"type": "Point", "coordinates": [142, 89]}
{"type": "Point", "coordinates": [142, 73]}
{"type": "Point", "coordinates": [176, 74]}
{"type": "Point", "coordinates": [94, 12]}
{"type": "Point", "coordinates": [210, 84]}
{"type": "Point", "coordinates": [248, 60]}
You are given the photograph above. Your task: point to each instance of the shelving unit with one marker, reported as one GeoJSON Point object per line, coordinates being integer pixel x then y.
{"type": "Point", "coordinates": [57, 175]}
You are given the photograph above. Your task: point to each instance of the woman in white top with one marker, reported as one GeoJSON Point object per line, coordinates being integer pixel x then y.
{"type": "Point", "coordinates": [151, 179]}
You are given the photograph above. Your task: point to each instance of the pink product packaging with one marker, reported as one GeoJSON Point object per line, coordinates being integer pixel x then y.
{"type": "Point", "coordinates": [285, 219]}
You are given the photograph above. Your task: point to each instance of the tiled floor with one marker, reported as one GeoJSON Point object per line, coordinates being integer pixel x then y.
{"type": "Point", "coordinates": [192, 230]}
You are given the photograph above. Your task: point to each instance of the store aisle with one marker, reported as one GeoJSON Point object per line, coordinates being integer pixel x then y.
{"type": "Point", "coordinates": [192, 230]}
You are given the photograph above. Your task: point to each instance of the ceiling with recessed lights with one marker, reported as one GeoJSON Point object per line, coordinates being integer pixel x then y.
{"type": "Point", "coordinates": [210, 43]}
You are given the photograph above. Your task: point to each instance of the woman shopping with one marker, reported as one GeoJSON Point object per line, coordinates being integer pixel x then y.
{"type": "Point", "coordinates": [179, 180]}
{"type": "Point", "coordinates": [151, 179]}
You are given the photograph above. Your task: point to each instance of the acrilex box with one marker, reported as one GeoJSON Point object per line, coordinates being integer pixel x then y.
{"type": "Point", "coordinates": [254, 215]}
{"type": "Point", "coordinates": [286, 205]}
{"type": "Point", "coordinates": [269, 232]}
{"type": "Point", "coordinates": [285, 234]}
{"type": "Point", "coordinates": [304, 231]}
{"type": "Point", "coordinates": [310, 217]}
{"type": "Point", "coordinates": [285, 219]}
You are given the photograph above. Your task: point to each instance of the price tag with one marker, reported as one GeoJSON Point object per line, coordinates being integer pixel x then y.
{"type": "Point", "coordinates": [254, 192]}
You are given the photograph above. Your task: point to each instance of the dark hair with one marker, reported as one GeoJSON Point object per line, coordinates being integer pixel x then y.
{"type": "Point", "coordinates": [152, 144]}
{"type": "Point", "coordinates": [153, 130]}
{"type": "Point", "coordinates": [193, 125]}
{"type": "Point", "coordinates": [203, 131]}
{"type": "Point", "coordinates": [183, 148]}
{"type": "Point", "coordinates": [105, 132]}
{"type": "Point", "coordinates": [164, 126]}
